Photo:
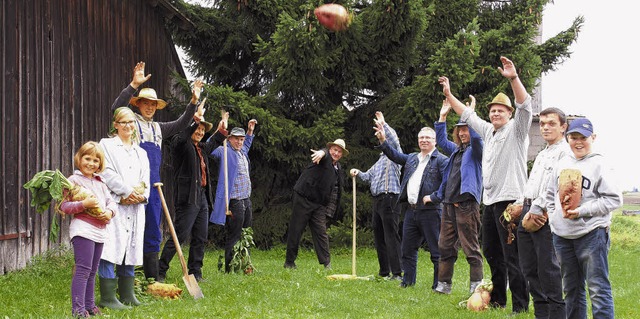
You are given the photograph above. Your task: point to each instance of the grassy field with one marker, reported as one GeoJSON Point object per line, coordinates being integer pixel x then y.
{"type": "Point", "coordinates": [43, 289]}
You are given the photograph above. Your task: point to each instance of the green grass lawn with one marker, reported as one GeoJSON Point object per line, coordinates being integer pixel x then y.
{"type": "Point", "coordinates": [43, 289]}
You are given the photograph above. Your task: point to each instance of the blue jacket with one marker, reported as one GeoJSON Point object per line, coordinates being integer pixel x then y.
{"type": "Point", "coordinates": [431, 178]}
{"type": "Point", "coordinates": [471, 167]}
{"type": "Point", "coordinates": [220, 207]}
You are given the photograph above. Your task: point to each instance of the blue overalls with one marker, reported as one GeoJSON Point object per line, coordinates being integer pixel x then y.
{"type": "Point", "coordinates": [153, 209]}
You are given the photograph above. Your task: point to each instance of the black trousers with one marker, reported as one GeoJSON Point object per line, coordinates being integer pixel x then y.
{"type": "Point", "coordinates": [306, 212]}
{"type": "Point", "coordinates": [241, 218]}
{"type": "Point", "coordinates": [503, 260]}
{"type": "Point", "coordinates": [541, 269]}
{"type": "Point", "coordinates": [386, 216]}
{"type": "Point", "coordinates": [192, 220]}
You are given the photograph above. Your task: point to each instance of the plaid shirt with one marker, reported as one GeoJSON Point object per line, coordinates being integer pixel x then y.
{"type": "Point", "coordinates": [242, 186]}
{"type": "Point", "coordinates": [384, 175]}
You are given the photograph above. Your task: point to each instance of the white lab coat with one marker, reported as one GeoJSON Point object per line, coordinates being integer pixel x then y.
{"type": "Point", "coordinates": [125, 169]}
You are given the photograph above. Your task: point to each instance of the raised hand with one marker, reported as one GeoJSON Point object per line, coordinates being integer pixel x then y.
{"type": "Point", "coordinates": [196, 90]}
{"type": "Point", "coordinates": [379, 128]}
{"type": "Point", "coordinates": [444, 110]}
{"type": "Point", "coordinates": [252, 124]}
{"type": "Point", "coordinates": [508, 70]}
{"type": "Point", "coordinates": [472, 105]}
{"type": "Point", "coordinates": [316, 156]}
{"type": "Point", "coordinates": [200, 111]}
{"type": "Point", "coordinates": [446, 86]}
{"type": "Point", "coordinates": [379, 118]}
{"type": "Point", "coordinates": [224, 121]}
{"type": "Point", "coordinates": [138, 75]}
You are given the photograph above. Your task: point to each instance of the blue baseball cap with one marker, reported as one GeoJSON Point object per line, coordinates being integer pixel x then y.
{"type": "Point", "coordinates": [581, 125]}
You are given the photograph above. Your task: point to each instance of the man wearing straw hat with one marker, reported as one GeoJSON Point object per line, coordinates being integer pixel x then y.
{"type": "Point", "coordinates": [151, 135]}
{"type": "Point", "coordinates": [504, 174]}
{"type": "Point", "coordinates": [316, 197]}
{"type": "Point", "coordinates": [232, 207]}
{"type": "Point", "coordinates": [192, 198]}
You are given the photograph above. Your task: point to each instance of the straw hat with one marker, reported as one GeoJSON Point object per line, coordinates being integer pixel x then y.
{"type": "Point", "coordinates": [148, 94]}
{"type": "Point", "coordinates": [207, 126]}
{"type": "Point", "coordinates": [501, 99]}
{"type": "Point", "coordinates": [339, 142]}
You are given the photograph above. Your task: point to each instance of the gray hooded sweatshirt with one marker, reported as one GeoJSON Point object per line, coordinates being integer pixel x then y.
{"type": "Point", "coordinates": [600, 197]}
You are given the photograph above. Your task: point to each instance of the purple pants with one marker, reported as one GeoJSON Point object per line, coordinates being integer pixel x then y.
{"type": "Point", "coordinates": [87, 256]}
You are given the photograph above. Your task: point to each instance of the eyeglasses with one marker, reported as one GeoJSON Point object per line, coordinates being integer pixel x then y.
{"type": "Point", "coordinates": [126, 123]}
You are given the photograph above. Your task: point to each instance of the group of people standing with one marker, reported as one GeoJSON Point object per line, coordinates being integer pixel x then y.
{"type": "Point", "coordinates": [554, 248]}
{"type": "Point", "coordinates": [548, 254]}
{"type": "Point", "coordinates": [123, 173]}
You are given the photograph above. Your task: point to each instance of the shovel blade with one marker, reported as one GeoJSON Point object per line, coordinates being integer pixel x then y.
{"type": "Point", "coordinates": [192, 286]}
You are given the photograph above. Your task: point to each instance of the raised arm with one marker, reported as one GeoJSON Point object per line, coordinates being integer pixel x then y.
{"type": "Point", "coordinates": [456, 104]}
{"type": "Point", "coordinates": [508, 70]}
{"type": "Point", "coordinates": [173, 127]}
{"type": "Point", "coordinates": [387, 149]}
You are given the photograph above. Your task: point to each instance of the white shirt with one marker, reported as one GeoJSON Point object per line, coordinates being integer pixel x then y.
{"type": "Point", "coordinates": [504, 158]}
{"type": "Point", "coordinates": [541, 173]}
{"type": "Point", "coordinates": [413, 186]}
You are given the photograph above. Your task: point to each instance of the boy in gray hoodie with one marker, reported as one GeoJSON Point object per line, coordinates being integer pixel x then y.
{"type": "Point", "coordinates": [581, 232]}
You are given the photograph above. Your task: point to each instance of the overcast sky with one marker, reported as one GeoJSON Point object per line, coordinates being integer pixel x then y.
{"type": "Point", "coordinates": [599, 81]}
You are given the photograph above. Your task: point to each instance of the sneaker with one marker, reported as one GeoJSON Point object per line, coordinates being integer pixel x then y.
{"type": "Point", "coordinates": [395, 277]}
{"type": "Point", "coordinates": [199, 277]}
{"type": "Point", "coordinates": [327, 266]}
{"type": "Point", "coordinates": [473, 285]}
{"type": "Point", "coordinates": [290, 265]}
{"type": "Point", "coordinates": [161, 278]}
{"type": "Point", "coordinates": [443, 288]}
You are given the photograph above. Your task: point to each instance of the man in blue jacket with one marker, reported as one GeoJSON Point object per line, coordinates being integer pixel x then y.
{"type": "Point", "coordinates": [460, 192]}
{"type": "Point", "coordinates": [422, 176]}
{"type": "Point", "coordinates": [238, 189]}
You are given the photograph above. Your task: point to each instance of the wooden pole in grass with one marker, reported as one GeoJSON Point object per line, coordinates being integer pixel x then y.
{"type": "Point", "coordinates": [353, 239]}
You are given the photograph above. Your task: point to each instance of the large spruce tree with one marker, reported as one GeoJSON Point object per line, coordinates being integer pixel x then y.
{"type": "Point", "coordinates": [306, 85]}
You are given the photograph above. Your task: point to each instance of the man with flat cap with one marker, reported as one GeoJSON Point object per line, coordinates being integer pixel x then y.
{"type": "Point", "coordinates": [192, 196]}
{"type": "Point", "coordinates": [316, 197]}
{"type": "Point", "coordinates": [234, 170]}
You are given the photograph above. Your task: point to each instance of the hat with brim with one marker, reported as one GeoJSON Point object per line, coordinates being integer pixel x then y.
{"type": "Point", "coordinates": [237, 131]}
{"type": "Point", "coordinates": [461, 123]}
{"type": "Point", "coordinates": [207, 126]}
{"type": "Point", "coordinates": [501, 99]}
{"type": "Point", "coordinates": [340, 143]}
{"type": "Point", "coordinates": [148, 94]}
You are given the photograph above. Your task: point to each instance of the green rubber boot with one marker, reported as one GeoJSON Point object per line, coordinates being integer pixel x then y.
{"type": "Point", "coordinates": [108, 294]}
{"type": "Point", "coordinates": [126, 291]}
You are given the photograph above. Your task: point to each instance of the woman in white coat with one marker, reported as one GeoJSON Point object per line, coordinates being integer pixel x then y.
{"type": "Point", "coordinates": [127, 176]}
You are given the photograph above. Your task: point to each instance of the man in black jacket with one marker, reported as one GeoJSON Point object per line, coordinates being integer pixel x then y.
{"type": "Point", "coordinates": [316, 197]}
{"type": "Point", "coordinates": [193, 200]}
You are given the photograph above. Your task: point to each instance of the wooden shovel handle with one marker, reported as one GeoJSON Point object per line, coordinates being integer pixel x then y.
{"type": "Point", "coordinates": [226, 179]}
{"type": "Point", "coordinates": [167, 216]}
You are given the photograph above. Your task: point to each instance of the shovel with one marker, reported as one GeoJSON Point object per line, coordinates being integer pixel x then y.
{"type": "Point", "coordinates": [353, 246]}
{"type": "Point", "coordinates": [189, 280]}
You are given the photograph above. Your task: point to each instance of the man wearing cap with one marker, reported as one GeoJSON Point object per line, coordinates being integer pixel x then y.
{"type": "Point", "coordinates": [316, 197]}
{"type": "Point", "coordinates": [535, 245]}
{"type": "Point", "coordinates": [238, 187]}
{"type": "Point", "coordinates": [192, 198]}
{"type": "Point", "coordinates": [460, 192]}
{"type": "Point", "coordinates": [504, 165]}
{"type": "Point", "coordinates": [151, 135]}
{"type": "Point", "coordinates": [422, 176]}
{"type": "Point", "coordinates": [384, 177]}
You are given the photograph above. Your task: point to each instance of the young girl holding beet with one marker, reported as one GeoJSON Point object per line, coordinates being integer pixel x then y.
{"type": "Point", "coordinates": [87, 231]}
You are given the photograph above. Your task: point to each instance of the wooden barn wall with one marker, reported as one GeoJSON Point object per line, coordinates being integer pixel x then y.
{"type": "Point", "coordinates": [63, 63]}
